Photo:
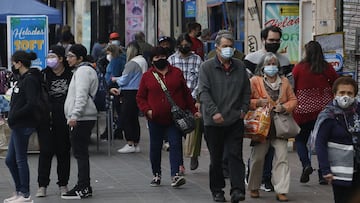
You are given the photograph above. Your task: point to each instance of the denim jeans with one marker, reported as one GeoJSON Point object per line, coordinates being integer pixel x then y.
{"type": "Point", "coordinates": [231, 137]}
{"type": "Point", "coordinates": [80, 140]}
{"type": "Point", "coordinates": [16, 158]}
{"type": "Point", "coordinates": [301, 141]}
{"type": "Point", "coordinates": [157, 132]}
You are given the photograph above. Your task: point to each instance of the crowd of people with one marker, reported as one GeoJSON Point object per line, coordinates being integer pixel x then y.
{"type": "Point", "coordinates": [218, 88]}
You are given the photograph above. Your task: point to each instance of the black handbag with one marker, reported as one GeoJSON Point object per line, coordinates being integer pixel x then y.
{"type": "Point", "coordinates": [184, 120]}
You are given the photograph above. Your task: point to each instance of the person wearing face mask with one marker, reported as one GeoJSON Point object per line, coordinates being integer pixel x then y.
{"type": "Point", "coordinates": [268, 88]}
{"type": "Point", "coordinates": [338, 141]}
{"type": "Point", "coordinates": [114, 38]}
{"type": "Point", "coordinates": [271, 39]}
{"type": "Point", "coordinates": [22, 121]}
{"type": "Point", "coordinates": [223, 106]}
{"type": "Point", "coordinates": [313, 79]}
{"type": "Point", "coordinates": [153, 102]}
{"type": "Point", "coordinates": [194, 31]}
{"type": "Point", "coordinates": [117, 60]}
{"type": "Point", "coordinates": [189, 64]}
{"type": "Point", "coordinates": [53, 134]}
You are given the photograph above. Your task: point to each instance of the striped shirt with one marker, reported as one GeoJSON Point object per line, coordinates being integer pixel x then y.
{"type": "Point", "coordinates": [189, 65]}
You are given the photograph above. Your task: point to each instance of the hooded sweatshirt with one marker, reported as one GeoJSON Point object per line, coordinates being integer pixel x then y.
{"type": "Point", "coordinates": [79, 104]}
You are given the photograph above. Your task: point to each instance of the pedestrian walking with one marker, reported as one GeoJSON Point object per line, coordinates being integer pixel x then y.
{"type": "Point", "coordinates": [152, 100]}
{"type": "Point", "coordinates": [337, 131]}
{"type": "Point", "coordinates": [81, 114]}
{"type": "Point", "coordinates": [223, 113]}
{"type": "Point", "coordinates": [313, 80]}
{"type": "Point", "coordinates": [269, 89]}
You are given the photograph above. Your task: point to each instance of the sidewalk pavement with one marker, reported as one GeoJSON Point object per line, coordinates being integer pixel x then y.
{"type": "Point", "coordinates": [125, 178]}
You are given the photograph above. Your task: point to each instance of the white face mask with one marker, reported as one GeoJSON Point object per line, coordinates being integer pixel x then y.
{"type": "Point", "coordinates": [227, 52]}
{"type": "Point", "coordinates": [116, 42]}
{"type": "Point", "coordinates": [108, 57]}
{"type": "Point", "coordinates": [344, 101]}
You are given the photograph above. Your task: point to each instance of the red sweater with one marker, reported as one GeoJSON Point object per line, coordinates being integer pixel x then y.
{"type": "Point", "coordinates": [313, 91]}
{"type": "Point", "coordinates": [150, 96]}
{"type": "Point", "coordinates": [197, 47]}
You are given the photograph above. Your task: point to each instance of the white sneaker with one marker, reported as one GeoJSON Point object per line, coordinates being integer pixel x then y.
{"type": "Point", "coordinates": [41, 192]}
{"type": "Point", "coordinates": [166, 146]}
{"type": "Point", "coordinates": [12, 198]}
{"type": "Point", "coordinates": [137, 149]}
{"type": "Point", "coordinates": [22, 199]}
{"type": "Point", "coordinates": [127, 149]}
{"type": "Point", "coordinates": [63, 190]}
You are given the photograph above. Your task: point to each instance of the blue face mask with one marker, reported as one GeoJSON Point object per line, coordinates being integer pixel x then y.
{"type": "Point", "coordinates": [271, 70]}
{"type": "Point", "coordinates": [227, 52]}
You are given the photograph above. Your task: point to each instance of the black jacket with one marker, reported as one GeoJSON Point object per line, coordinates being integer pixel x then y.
{"type": "Point", "coordinates": [24, 100]}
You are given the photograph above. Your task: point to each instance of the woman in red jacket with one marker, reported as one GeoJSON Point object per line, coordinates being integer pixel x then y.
{"type": "Point", "coordinates": [152, 100]}
{"type": "Point", "coordinates": [313, 79]}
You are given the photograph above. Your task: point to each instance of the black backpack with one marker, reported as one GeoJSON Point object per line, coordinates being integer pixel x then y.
{"type": "Point", "coordinates": [100, 96]}
{"type": "Point", "coordinates": [43, 105]}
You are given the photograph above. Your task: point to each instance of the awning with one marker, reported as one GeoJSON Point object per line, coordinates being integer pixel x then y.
{"type": "Point", "coordinates": [212, 3]}
{"type": "Point", "coordinates": [28, 7]}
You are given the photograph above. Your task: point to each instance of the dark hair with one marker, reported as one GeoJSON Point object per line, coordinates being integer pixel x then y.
{"type": "Point", "coordinates": [315, 57]}
{"type": "Point", "coordinates": [157, 51]}
{"type": "Point", "coordinates": [182, 37]}
{"type": "Point", "coordinates": [193, 26]}
{"type": "Point", "coordinates": [24, 57]}
{"type": "Point", "coordinates": [80, 51]}
{"type": "Point", "coordinates": [345, 80]}
{"type": "Point", "coordinates": [265, 32]}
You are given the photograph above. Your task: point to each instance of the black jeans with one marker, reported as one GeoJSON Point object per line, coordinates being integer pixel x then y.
{"type": "Point", "coordinates": [54, 141]}
{"type": "Point", "coordinates": [130, 116]}
{"type": "Point", "coordinates": [80, 140]}
{"type": "Point", "coordinates": [230, 137]}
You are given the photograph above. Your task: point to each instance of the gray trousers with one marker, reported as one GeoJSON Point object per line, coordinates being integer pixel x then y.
{"type": "Point", "coordinates": [280, 172]}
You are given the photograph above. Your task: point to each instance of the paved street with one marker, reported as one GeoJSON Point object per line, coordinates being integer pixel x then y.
{"type": "Point", "coordinates": [126, 177]}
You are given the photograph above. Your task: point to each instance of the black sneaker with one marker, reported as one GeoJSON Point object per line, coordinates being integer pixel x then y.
{"type": "Point", "coordinates": [178, 181]}
{"type": "Point", "coordinates": [267, 186]}
{"type": "Point", "coordinates": [237, 196]}
{"type": "Point", "coordinates": [156, 181]}
{"type": "Point", "coordinates": [305, 174]}
{"type": "Point", "coordinates": [219, 197]}
{"type": "Point", "coordinates": [78, 193]}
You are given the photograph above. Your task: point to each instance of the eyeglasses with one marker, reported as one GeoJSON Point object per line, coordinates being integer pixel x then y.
{"type": "Point", "coordinates": [70, 56]}
{"type": "Point", "coordinates": [274, 40]}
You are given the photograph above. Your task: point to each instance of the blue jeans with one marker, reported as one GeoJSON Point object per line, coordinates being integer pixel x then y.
{"type": "Point", "coordinates": [174, 135]}
{"type": "Point", "coordinates": [301, 141]}
{"type": "Point", "coordinates": [16, 158]}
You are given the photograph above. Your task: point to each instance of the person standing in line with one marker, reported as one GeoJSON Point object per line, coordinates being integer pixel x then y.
{"type": "Point", "coordinates": [152, 100]}
{"type": "Point", "coordinates": [271, 39]}
{"type": "Point", "coordinates": [22, 122]}
{"type": "Point", "coordinates": [55, 137]}
{"type": "Point", "coordinates": [128, 85]}
{"type": "Point", "coordinates": [81, 114]}
{"type": "Point", "coordinates": [313, 79]}
{"type": "Point", "coordinates": [194, 31]}
{"type": "Point", "coordinates": [98, 50]}
{"type": "Point", "coordinates": [145, 48]}
{"type": "Point", "coordinates": [337, 143]}
{"type": "Point", "coordinates": [189, 64]}
{"type": "Point", "coordinates": [223, 113]}
{"type": "Point", "coordinates": [269, 89]}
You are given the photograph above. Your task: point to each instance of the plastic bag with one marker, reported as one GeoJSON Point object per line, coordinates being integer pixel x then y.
{"type": "Point", "coordinates": [257, 124]}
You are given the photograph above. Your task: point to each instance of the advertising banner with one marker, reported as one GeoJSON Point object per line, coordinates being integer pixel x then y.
{"type": "Point", "coordinates": [284, 14]}
{"type": "Point", "coordinates": [134, 18]}
{"type": "Point", "coordinates": [28, 33]}
{"type": "Point", "coordinates": [190, 9]}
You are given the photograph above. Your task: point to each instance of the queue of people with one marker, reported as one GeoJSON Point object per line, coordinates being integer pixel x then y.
{"type": "Point", "coordinates": [218, 92]}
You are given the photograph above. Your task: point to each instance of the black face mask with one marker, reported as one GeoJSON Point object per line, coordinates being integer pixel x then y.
{"type": "Point", "coordinates": [15, 72]}
{"type": "Point", "coordinates": [161, 64]}
{"type": "Point", "coordinates": [272, 47]}
{"type": "Point", "coordinates": [198, 34]}
{"type": "Point", "coordinates": [185, 49]}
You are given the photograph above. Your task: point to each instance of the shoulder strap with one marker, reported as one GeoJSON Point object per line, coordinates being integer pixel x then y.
{"type": "Point", "coordinates": [163, 87]}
